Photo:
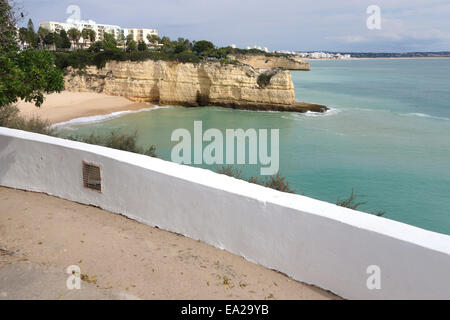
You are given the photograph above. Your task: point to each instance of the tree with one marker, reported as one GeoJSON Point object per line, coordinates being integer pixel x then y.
{"type": "Point", "coordinates": [49, 39]}
{"type": "Point", "coordinates": [92, 35]}
{"type": "Point", "coordinates": [128, 38]}
{"type": "Point", "coordinates": [85, 35]}
{"type": "Point", "coordinates": [63, 41]}
{"type": "Point", "coordinates": [180, 48]}
{"type": "Point", "coordinates": [74, 35]}
{"type": "Point", "coordinates": [42, 32]}
{"type": "Point", "coordinates": [121, 41]}
{"type": "Point", "coordinates": [109, 41]}
{"type": "Point", "coordinates": [31, 37]}
{"type": "Point", "coordinates": [165, 41]}
{"type": "Point", "coordinates": [88, 34]}
{"type": "Point", "coordinates": [184, 42]}
{"type": "Point", "coordinates": [131, 46]}
{"type": "Point", "coordinates": [8, 30]}
{"type": "Point", "coordinates": [142, 46]}
{"type": "Point", "coordinates": [153, 38]}
{"type": "Point", "coordinates": [203, 46]}
{"type": "Point", "coordinates": [23, 33]}
{"type": "Point", "coordinates": [23, 74]}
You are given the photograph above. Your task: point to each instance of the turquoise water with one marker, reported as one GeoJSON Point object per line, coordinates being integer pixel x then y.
{"type": "Point", "coordinates": [387, 135]}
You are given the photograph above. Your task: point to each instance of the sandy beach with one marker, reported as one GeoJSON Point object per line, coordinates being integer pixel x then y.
{"type": "Point", "coordinates": [64, 106]}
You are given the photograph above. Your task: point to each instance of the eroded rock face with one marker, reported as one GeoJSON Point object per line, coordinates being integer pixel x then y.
{"type": "Point", "coordinates": [187, 84]}
{"type": "Point", "coordinates": [282, 62]}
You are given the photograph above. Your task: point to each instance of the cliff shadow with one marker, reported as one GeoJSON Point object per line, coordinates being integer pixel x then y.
{"type": "Point", "coordinates": [205, 83]}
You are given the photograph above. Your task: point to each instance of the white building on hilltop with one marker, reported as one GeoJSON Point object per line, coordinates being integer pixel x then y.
{"type": "Point", "coordinates": [323, 55]}
{"type": "Point", "coordinates": [100, 29]}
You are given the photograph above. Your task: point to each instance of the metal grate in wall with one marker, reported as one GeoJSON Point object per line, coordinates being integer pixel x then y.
{"type": "Point", "coordinates": [91, 177]}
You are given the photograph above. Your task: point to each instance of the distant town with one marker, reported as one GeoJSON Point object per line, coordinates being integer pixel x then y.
{"type": "Point", "coordinates": [349, 55]}
{"type": "Point", "coordinates": [148, 35]}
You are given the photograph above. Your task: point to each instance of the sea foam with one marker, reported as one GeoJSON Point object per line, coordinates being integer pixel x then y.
{"type": "Point", "coordinates": [424, 115]}
{"type": "Point", "coordinates": [104, 117]}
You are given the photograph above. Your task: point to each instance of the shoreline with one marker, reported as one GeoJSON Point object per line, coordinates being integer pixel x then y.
{"type": "Point", "coordinates": [66, 106]}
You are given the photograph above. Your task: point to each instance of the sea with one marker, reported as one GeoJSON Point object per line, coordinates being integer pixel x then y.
{"type": "Point", "coordinates": [386, 135]}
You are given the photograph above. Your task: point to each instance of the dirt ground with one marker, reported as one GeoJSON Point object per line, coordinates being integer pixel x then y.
{"type": "Point", "coordinates": [41, 235]}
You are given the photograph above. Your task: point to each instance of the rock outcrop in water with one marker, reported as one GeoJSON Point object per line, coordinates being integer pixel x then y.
{"type": "Point", "coordinates": [272, 62]}
{"type": "Point", "coordinates": [187, 84]}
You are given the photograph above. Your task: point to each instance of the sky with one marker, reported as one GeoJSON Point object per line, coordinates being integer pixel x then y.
{"type": "Point", "coordinates": [293, 25]}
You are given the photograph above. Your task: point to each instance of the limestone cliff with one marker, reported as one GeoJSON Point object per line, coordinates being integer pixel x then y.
{"type": "Point", "coordinates": [190, 84]}
{"type": "Point", "coordinates": [273, 62]}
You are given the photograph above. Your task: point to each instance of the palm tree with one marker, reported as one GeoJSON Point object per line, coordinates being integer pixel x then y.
{"type": "Point", "coordinates": [74, 35]}
{"type": "Point", "coordinates": [88, 34]}
{"type": "Point", "coordinates": [92, 35]}
{"type": "Point", "coordinates": [152, 38]}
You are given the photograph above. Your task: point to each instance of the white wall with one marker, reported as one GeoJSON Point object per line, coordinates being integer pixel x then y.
{"type": "Point", "coordinates": [309, 240]}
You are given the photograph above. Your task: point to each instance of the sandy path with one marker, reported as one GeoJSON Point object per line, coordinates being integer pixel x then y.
{"type": "Point", "coordinates": [125, 256]}
{"type": "Point", "coordinates": [64, 106]}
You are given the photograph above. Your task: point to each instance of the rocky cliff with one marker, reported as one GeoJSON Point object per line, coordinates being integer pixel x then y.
{"type": "Point", "coordinates": [188, 84]}
{"type": "Point", "coordinates": [274, 62]}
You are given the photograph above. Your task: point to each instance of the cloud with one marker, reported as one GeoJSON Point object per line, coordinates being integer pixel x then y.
{"type": "Point", "coordinates": [282, 24]}
{"type": "Point", "coordinates": [348, 39]}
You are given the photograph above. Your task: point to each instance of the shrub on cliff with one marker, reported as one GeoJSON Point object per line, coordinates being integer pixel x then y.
{"type": "Point", "coordinates": [80, 59]}
{"type": "Point", "coordinates": [264, 79]}
{"type": "Point", "coordinates": [142, 46]}
{"type": "Point", "coordinates": [181, 50]}
{"type": "Point", "coordinates": [277, 182]}
{"type": "Point", "coordinates": [10, 118]}
{"type": "Point", "coordinates": [255, 51]}
{"type": "Point", "coordinates": [351, 203]}
{"type": "Point", "coordinates": [118, 141]}
{"type": "Point", "coordinates": [202, 47]}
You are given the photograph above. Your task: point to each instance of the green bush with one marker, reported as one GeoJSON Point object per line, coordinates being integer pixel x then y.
{"type": "Point", "coordinates": [351, 203]}
{"type": "Point", "coordinates": [142, 46]}
{"type": "Point", "coordinates": [254, 51]}
{"type": "Point", "coordinates": [10, 118]}
{"type": "Point", "coordinates": [277, 182]}
{"type": "Point", "coordinates": [264, 79]}
{"type": "Point", "coordinates": [181, 50]}
{"type": "Point", "coordinates": [203, 46]}
{"type": "Point", "coordinates": [82, 58]}
{"type": "Point", "coordinates": [118, 141]}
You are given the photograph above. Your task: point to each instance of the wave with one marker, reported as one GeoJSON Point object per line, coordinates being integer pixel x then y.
{"type": "Point", "coordinates": [302, 116]}
{"type": "Point", "coordinates": [329, 112]}
{"type": "Point", "coordinates": [104, 117]}
{"type": "Point", "coordinates": [424, 115]}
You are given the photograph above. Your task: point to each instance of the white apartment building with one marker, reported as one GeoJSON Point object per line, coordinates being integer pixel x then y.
{"type": "Point", "coordinates": [140, 34]}
{"type": "Point", "coordinates": [323, 55]}
{"type": "Point", "coordinates": [100, 29]}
